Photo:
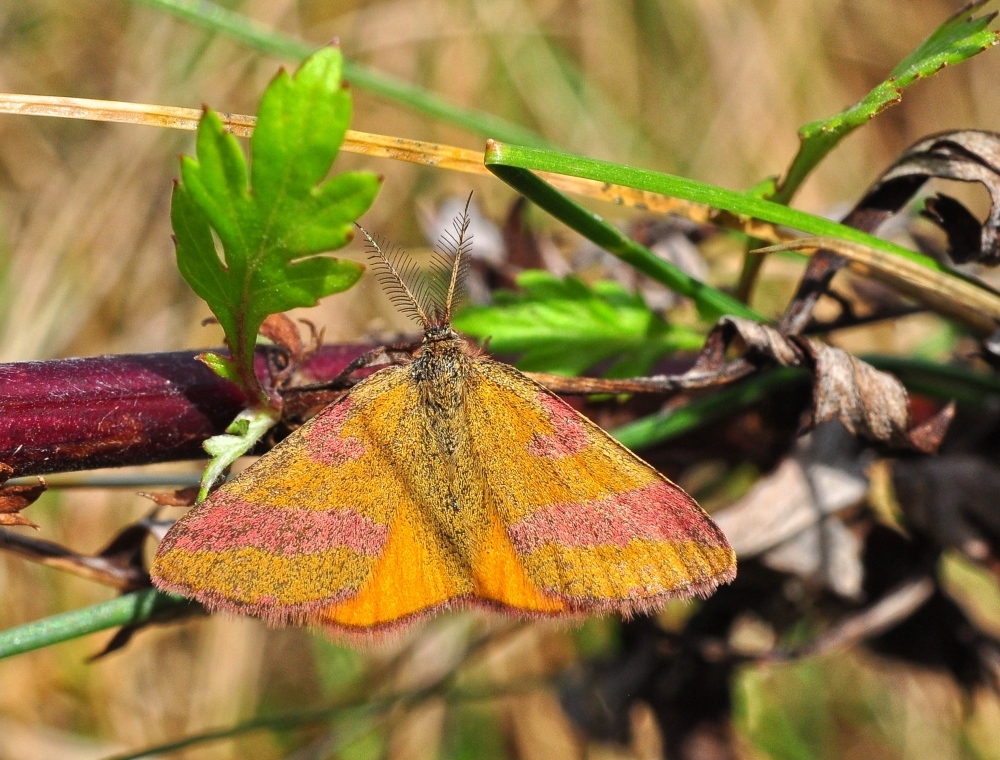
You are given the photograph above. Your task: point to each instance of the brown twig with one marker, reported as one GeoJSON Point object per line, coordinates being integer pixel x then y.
{"type": "Point", "coordinates": [101, 569]}
{"type": "Point", "coordinates": [877, 618]}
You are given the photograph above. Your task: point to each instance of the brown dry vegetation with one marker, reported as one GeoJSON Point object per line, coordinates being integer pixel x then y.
{"type": "Point", "coordinates": [710, 89]}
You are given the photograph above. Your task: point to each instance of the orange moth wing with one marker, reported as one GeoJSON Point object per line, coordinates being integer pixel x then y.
{"type": "Point", "coordinates": [452, 480]}
{"type": "Point", "coordinates": [592, 524]}
{"type": "Point", "coordinates": [302, 527]}
{"type": "Point", "coordinates": [360, 522]}
{"type": "Point", "coordinates": [348, 523]}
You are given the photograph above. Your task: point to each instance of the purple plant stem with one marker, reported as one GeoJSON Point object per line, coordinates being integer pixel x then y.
{"type": "Point", "coordinates": [112, 411]}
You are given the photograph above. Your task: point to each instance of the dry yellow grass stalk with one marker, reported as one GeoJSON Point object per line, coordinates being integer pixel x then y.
{"type": "Point", "coordinates": [380, 146]}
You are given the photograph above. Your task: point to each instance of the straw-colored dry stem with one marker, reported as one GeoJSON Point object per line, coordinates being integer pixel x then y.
{"type": "Point", "coordinates": [972, 304]}
{"type": "Point", "coordinates": [380, 146]}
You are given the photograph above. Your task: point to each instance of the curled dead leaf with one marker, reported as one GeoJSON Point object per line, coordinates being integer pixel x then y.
{"type": "Point", "coordinates": [15, 498]}
{"type": "Point", "coordinates": [289, 353]}
{"type": "Point", "coordinates": [869, 403]}
{"type": "Point", "coordinates": [281, 331]}
{"type": "Point", "coordinates": [967, 155]}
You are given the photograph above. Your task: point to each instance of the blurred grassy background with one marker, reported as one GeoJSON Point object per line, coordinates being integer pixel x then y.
{"type": "Point", "coordinates": [711, 89]}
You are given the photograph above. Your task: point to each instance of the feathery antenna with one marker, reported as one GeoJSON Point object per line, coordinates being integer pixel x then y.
{"type": "Point", "coordinates": [427, 296]}
{"type": "Point", "coordinates": [394, 279]}
{"type": "Point", "coordinates": [459, 245]}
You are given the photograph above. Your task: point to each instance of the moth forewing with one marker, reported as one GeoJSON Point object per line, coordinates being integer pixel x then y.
{"type": "Point", "coordinates": [452, 480]}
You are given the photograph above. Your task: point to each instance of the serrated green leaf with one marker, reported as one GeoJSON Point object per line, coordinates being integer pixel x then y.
{"type": "Point", "coordinates": [275, 217]}
{"type": "Point", "coordinates": [565, 327]}
{"type": "Point", "coordinates": [957, 39]}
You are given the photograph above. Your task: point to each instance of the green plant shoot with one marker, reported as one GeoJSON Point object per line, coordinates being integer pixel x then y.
{"type": "Point", "coordinates": [565, 327]}
{"type": "Point", "coordinates": [957, 39]}
{"type": "Point", "coordinates": [273, 219]}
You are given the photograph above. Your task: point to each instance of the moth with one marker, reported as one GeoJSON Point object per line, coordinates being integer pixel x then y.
{"type": "Point", "coordinates": [449, 480]}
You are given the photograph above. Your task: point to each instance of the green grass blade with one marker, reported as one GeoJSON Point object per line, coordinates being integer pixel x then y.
{"type": "Point", "coordinates": [215, 18]}
{"type": "Point", "coordinates": [136, 607]}
{"type": "Point", "coordinates": [959, 38]}
{"type": "Point", "coordinates": [657, 428]}
{"type": "Point", "coordinates": [501, 156]}
{"type": "Point", "coordinates": [710, 302]}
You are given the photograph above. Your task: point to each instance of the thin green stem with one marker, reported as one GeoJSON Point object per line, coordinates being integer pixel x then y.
{"type": "Point", "coordinates": [265, 723]}
{"type": "Point", "coordinates": [210, 16]}
{"type": "Point", "coordinates": [364, 703]}
{"type": "Point", "coordinates": [711, 302]}
{"type": "Point", "coordinates": [657, 428]}
{"type": "Point", "coordinates": [136, 607]}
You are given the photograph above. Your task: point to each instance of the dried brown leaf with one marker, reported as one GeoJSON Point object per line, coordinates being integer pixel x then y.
{"type": "Point", "coordinates": [16, 521]}
{"type": "Point", "coordinates": [869, 403]}
{"type": "Point", "coordinates": [282, 331]}
{"type": "Point", "coordinates": [965, 155]}
{"type": "Point", "coordinates": [15, 498]}
{"type": "Point", "coordinates": [183, 497]}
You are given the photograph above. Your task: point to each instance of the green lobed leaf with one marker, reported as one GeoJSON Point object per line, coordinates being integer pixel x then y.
{"type": "Point", "coordinates": [273, 219]}
{"type": "Point", "coordinates": [957, 39]}
{"type": "Point", "coordinates": [565, 327]}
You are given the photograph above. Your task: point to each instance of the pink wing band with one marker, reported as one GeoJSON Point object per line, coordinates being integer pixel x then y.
{"type": "Point", "coordinates": [657, 512]}
{"type": "Point", "coordinates": [323, 438]}
{"type": "Point", "coordinates": [568, 435]}
{"type": "Point", "coordinates": [225, 524]}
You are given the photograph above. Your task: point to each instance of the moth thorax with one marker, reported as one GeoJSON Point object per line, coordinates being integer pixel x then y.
{"type": "Point", "coordinates": [441, 365]}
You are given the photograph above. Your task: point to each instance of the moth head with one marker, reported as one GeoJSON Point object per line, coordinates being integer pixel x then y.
{"type": "Point", "coordinates": [427, 295]}
{"type": "Point", "coordinates": [439, 334]}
